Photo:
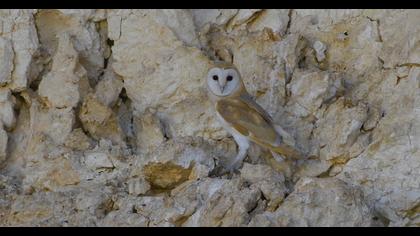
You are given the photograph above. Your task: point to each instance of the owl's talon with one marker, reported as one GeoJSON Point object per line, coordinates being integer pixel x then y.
{"type": "Point", "coordinates": [234, 168]}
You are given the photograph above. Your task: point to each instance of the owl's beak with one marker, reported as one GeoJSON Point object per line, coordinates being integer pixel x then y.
{"type": "Point", "coordinates": [222, 84]}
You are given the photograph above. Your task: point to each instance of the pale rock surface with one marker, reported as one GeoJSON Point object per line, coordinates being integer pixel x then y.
{"type": "Point", "coordinates": [8, 191]}
{"type": "Point", "coordinates": [386, 170]}
{"type": "Point", "coordinates": [66, 83]}
{"type": "Point", "coordinates": [212, 16]}
{"type": "Point", "coordinates": [337, 141]}
{"type": "Point", "coordinates": [78, 140]}
{"type": "Point", "coordinates": [241, 17]}
{"type": "Point", "coordinates": [274, 19]}
{"type": "Point", "coordinates": [53, 175]}
{"type": "Point", "coordinates": [318, 202]}
{"type": "Point", "coordinates": [97, 160]}
{"type": "Point", "coordinates": [152, 78]}
{"type": "Point", "coordinates": [149, 131]}
{"type": "Point", "coordinates": [270, 182]}
{"type": "Point", "coordinates": [175, 161]}
{"type": "Point", "coordinates": [138, 185]}
{"type": "Point", "coordinates": [309, 90]}
{"type": "Point", "coordinates": [99, 120]}
{"type": "Point", "coordinates": [37, 210]}
{"type": "Point", "coordinates": [393, 35]}
{"type": "Point", "coordinates": [109, 88]}
{"type": "Point", "coordinates": [18, 26]}
{"type": "Point", "coordinates": [56, 123]}
{"type": "Point", "coordinates": [228, 204]}
{"type": "Point", "coordinates": [320, 50]}
{"type": "Point", "coordinates": [3, 145]}
{"type": "Point", "coordinates": [181, 23]}
{"type": "Point", "coordinates": [83, 26]}
{"type": "Point", "coordinates": [105, 118]}
{"type": "Point", "coordinates": [132, 211]}
{"type": "Point", "coordinates": [7, 56]}
{"type": "Point", "coordinates": [7, 114]}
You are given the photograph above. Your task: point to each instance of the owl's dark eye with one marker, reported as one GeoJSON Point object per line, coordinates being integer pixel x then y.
{"type": "Point", "coordinates": [229, 78]}
{"type": "Point", "coordinates": [215, 77]}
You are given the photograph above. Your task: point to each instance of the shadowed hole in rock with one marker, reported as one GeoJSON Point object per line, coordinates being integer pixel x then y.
{"type": "Point", "coordinates": [126, 120]}
{"type": "Point", "coordinates": [123, 95]}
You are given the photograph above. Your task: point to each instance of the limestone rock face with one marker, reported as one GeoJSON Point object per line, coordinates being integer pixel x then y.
{"type": "Point", "coordinates": [86, 27]}
{"type": "Point", "coordinates": [6, 54]}
{"type": "Point", "coordinates": [342, 138]}
{"type": "Point", "coordinates": [99, 120]}
{"type": "Point", "coordinates": [105, 118]}
{"type": "Point", "coordinates": [3, 145]}
{"type": "Point", "coordinates": [19, 30]}
{"type": "Point", "coordinates": [7, 115]}
{"type": "Point", "coordinates": [317, 202]}
{"type": "Point", "coordinates": [270, 182]}
{"type": "Point", "coordinates": [391, 158]}
{"type": "Point", "coordinates": [62, 86]}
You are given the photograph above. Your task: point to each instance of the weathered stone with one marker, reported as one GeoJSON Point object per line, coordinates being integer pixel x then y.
{"type": "Point", "coordinates": [312, 168]}
{"type": "Point", "coordinates": [7, 114]}
{"type": "Point", "coordinates": [386, 170]}
{"type": "Point", "coordinates": [268, 181]}
{"type": "Point", "coordinates": [108, 89]}
{"type": "Point", "coordinates": [149, 131]}
{"type": "Point", "coordinates": [57, 123]}
{"type": "Point", "coordinates": [228, 206]}
{"type": "Point", "coordinates": [18, 26]}
{"type": "Point", "coordinates": [40, 209]}
{"type": "Point", "coordinates": [97, 160]}
{"type": "Point", "coordinates": [320, 50]}
{"type": "Point", "coordinates": [340, 129]}
{"type": "Point", "coordinates": [3, 145]}
{"type": "Point", "coordinates": [309, 90]}
{"type": "Point", "coordinates": [137, 186]}
{"type": "Point", "coordinates": [274, 19]}
{"type": "Point", "coordinates": [99, 120]}
{"type": "Point", "coordinates": [80, 25]}
{"type": "Point", "coordinates": [241, 17]}
{"type": "Point", "coordinates": [165, 176]}
{"type": "Point", "coordinates": [212, 16]}
{"type": "Point", "coordinates": [105, 118]}
{"type": "Point", "coordinates": [78, 140]}
{"type": "Point", "coordinates": [307, 204]}
{"type": "Point", "coordinates": [392, 34]}
{"type": "Point", "coordinates": [55, 175]}
{"type": "Point", "coordinates": [66, 83]}
{"type": "Point", "coordinates": [7, 56]}
{"type": "Point", "coordinates": [153, 81]}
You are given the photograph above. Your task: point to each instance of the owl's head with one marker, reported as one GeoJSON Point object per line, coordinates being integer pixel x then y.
{"type": "Point", "coordinates": [224, 80]}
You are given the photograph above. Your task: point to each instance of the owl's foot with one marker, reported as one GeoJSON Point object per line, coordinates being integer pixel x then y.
{"type": "Point", "coordinates": [217, 171]}
{"type": "Point", "coordinates": [234, 167]}
{"type": "Point", "coordinates": [221, 171]}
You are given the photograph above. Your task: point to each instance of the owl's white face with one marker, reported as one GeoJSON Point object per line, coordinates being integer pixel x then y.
{"type": "Point", "coordinates": [223, 82]}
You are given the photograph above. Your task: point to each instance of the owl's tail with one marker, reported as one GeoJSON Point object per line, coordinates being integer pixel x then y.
{"type": "Point", "coordinates": [287, 151]}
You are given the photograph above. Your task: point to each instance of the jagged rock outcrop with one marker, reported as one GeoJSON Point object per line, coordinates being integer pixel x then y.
{"type": "Point", "coordinates": [105, 119]}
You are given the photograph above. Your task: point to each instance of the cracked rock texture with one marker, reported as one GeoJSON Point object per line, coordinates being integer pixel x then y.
{"type": "Point", "coordinates": [105, 120]}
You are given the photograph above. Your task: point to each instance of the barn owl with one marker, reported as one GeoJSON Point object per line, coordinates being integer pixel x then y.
{"type": "Point", "coordinates": [241, 116]}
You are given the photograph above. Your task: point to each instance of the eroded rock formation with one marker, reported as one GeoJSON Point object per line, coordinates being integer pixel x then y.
{"type": "Point", "coordinates": [105, 121]}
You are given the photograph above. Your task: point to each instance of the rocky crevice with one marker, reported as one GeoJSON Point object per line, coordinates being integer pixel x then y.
{"type": "Point", "coordinates": [109, 108]}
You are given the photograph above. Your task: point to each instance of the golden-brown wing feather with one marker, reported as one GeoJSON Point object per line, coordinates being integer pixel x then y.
{"type": "Point", "coordinates": [245, 97]}
{"type": "Point", "coordinates": [248, 121]}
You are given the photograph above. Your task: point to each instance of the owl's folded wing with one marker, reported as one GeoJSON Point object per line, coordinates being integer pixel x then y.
{"type": "Point", "coordinates": [249, 120]}
{"type": "Point", "coordinates": [252, 103]}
